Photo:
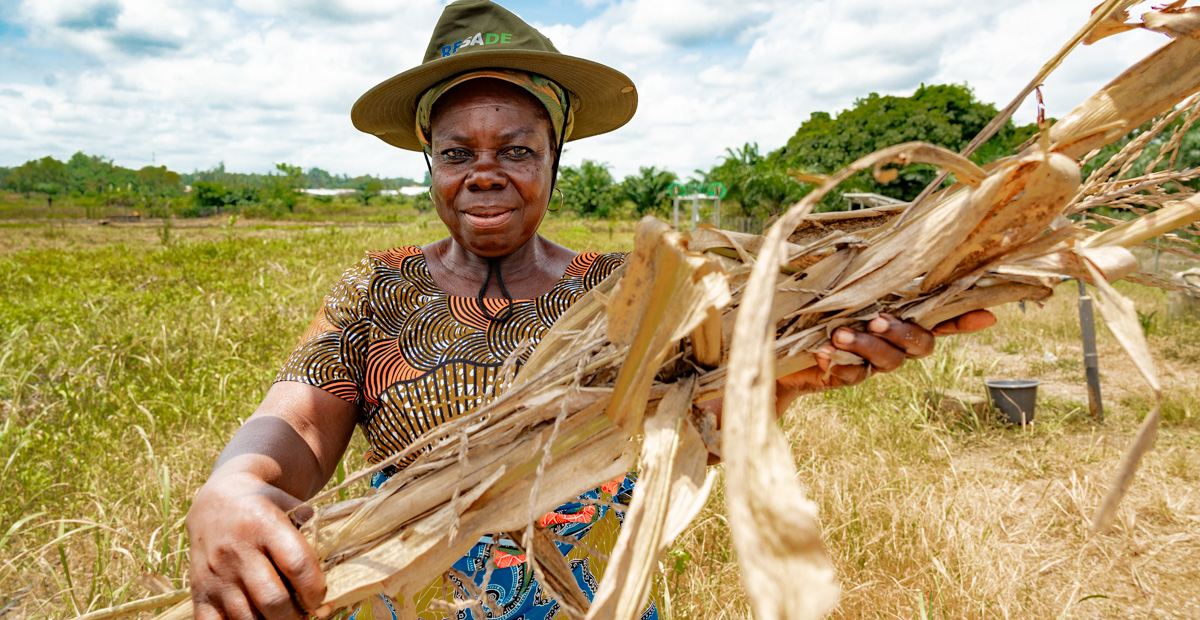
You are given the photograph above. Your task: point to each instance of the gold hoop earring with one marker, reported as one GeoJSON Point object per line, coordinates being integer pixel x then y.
{"type": "Point", "coordinates": [560, 200]}
{"type": "Point", "coordinates": [429, 192]}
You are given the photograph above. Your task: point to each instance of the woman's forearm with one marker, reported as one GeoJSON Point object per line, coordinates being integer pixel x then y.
{"type": "Point", "coordinates": [293, 441]}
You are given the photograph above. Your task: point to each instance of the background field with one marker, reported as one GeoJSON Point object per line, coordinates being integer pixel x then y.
{"type": "Point", "coordinates": [130, 353]}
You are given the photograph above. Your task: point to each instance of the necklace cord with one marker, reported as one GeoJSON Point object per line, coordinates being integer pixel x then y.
{"type": "Point", "coordinates": [507, 312]}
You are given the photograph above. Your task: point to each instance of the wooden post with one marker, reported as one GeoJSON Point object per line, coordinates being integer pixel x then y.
{"type": "Point", "coordinates": [1091, 360]}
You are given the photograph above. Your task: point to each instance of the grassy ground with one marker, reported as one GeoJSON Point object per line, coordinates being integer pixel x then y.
{"type": "Point", "coordinates": [130, 353]}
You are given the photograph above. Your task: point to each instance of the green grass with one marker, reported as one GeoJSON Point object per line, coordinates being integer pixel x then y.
{"type": "Point", "coordinates": [126, 362]}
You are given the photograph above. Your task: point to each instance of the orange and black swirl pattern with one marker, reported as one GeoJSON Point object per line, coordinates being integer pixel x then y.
{"type": "Point", "coordinates": [390, 341]}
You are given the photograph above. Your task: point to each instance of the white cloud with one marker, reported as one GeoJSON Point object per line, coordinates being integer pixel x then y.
{"type": "Point", "coordinates": [253, 82]}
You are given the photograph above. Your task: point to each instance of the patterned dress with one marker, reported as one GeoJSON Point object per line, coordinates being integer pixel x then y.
{"type": "Point", "coordinates": [411, 357]}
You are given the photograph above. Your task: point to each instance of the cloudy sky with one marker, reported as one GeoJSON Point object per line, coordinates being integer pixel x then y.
{"type": "Point", "coordinates": [253, 82]}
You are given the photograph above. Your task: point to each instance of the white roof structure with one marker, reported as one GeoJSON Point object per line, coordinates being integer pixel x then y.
{"type": "Point", "coordinates": [870, 200]}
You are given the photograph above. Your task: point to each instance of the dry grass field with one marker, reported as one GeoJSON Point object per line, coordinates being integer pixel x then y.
{"type": "Point", "coordinates": [129, 354]}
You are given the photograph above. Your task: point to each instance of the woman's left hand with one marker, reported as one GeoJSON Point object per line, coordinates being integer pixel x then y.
{"type": "Point", "coordinates": [885, 345]}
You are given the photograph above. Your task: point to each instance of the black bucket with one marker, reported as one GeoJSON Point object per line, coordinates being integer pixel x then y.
{"type": "Point", "coordinates": [1015, 398]}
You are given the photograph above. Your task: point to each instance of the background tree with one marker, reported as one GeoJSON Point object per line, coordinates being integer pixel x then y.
{"type": "Point", "coordinates": [281, 186]}
{"type": "Point", "coordinates": [737, 165]}
{"type": "Point", "coordinates": [321, 179]}
{"type": "Point", "coordinates": [90, 175]}
{"type": "Point", "coordinates": [46, 176]}
{"type": "Point", "coordinates": [369, 188]}
{"type": "Point", "coordinates": [588, 189]}
{"type": "Point", "coordinates": [648, 189]}
{"type": "Point", "coordinates": [759, 185]}
{"type": "Point", "coordinates": [156, 189]}
{"type": "Point", "coordinates": [945, 115]}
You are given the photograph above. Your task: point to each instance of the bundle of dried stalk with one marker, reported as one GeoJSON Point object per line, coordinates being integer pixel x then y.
{"type": "Point", "coordinates": [710, 313]}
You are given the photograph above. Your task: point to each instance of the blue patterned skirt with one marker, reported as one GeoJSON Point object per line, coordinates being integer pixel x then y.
{"type": "Point", "coordinates": [512, 591]}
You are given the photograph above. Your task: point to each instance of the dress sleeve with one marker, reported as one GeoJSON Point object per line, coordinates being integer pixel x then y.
{"type": "Point", "coordinates": [332, 353]}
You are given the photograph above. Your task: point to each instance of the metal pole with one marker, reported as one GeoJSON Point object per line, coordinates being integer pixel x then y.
{"type": "Point", "coordinates": [695, 210]}
{"type": "Point", "coordinates": [717, 212]}
{"type": "Point", "coordinates": [675, 209]}
{"type": "Point", "coordinates": [1091, 360]}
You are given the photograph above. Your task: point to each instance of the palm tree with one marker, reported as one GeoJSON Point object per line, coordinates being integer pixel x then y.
{"type": "Point", "coordinates": [648, 189]}
{"type": "Point", "coordinates": [588, 189]}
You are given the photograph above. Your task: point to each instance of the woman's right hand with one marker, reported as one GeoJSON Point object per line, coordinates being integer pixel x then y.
{"type": "Point", "coordinates": [248, 560]}
{"type": "Point", "coordinates": [246, 555]}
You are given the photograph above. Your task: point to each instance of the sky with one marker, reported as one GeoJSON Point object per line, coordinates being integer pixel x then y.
{"type": "Point", "coordinates": [251, 83]}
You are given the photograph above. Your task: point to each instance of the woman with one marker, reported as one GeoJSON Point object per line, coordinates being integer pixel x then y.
{"type": "Point", "coordinates": [412, 336]}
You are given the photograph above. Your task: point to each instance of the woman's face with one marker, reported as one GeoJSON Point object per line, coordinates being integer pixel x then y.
{"type": "Point", "coordinates": [492, 159]}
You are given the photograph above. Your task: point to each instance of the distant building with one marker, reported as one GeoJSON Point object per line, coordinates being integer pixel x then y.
{"type": "Point", "coordinates": [412, 190]}
{"type": "Point", "coordinates": [330, 192]}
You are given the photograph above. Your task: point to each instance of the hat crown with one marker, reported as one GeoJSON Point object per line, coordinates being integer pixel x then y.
{"type": "Point", "coordinates": [476, 26]}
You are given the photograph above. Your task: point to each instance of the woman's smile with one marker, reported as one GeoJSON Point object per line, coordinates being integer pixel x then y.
{"type": "Point", "coordinates": [487, 218]}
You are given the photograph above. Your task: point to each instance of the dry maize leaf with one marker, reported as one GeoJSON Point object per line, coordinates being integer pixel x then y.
{"type": "Point", "coordinates": [1174, 21]}
{"type": "Point", "coordinates": [1114, 262]}
{"type": "Point", "coordinates": [398, 500]}
{"type": "Point", "coordinates": [1115, 23]}
{"type": "Point", "coordinates": [1035, 190]}
{"type": "Point", "coordinates": [181, 611]}
{"type": "Point", "coordinates": [901, 254]}
{"type": "Point", "coordinates": [692, 484]}
{"type": "Point", "coordinates": [555, 574]}
{"type": "Point", "coordinates": [418, 553]}
{"type": "Point", "coordinates": [379, 516]}
{"type": "Point", "coordinates": [808, 177]}
{"type": "Point", "coordinates": [783, 563]}
{"type": "Point", "coordinates": [672, 468]}
{"type": "Point", "coordinates": [561, 336]}
{"type": "Point", "coordinates": [704, 239]}
{"type": "Point", "coordinates": [1147, 89]}
{"type": "Point", "coordinates": [1169, 217]}
{"type": "Point", "coordinates": [707, 345]}
{"type": "Point", "coordinates": [1121, 317]}
{"type": "Point", "coordinates": [382, 569]}
{"type": "Point", "coordinates": [632, 293]}
{"type": "Point", "coordinates": [816, 226]}
{"type": "Point", "coordinates": [929, 314]}
{"type": "Point", "coordinates": [674, 292]}
{"type": "Point", "coordinates": [409, 502]}
{"type": "Point", "coordinates": [159, 600]}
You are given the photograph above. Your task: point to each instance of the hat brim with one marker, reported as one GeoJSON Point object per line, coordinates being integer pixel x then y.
{"type": "Point", "coordinates": [602, 98]}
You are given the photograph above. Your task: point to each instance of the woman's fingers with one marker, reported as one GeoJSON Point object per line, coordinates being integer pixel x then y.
{"type": "Point", "coordinates": [297, 563]}
{"type": "Point", "coordinates": [219, 604]}
{"type": "Point", "coordinates": [827, 374]}
{"type": "Point", "coordinates": [914, 340]}
{"type": "Point", "coordinates": [877, 351]}
{"type": "Point", "coordinates": [970, 322]}
{"type": "Point", "coordinates": [264, 587]}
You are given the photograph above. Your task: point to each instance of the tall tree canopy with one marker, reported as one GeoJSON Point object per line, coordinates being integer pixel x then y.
{"type": "Point", "coordinates": [588, 188]}
{"type": "Point", "coordinates": [648, 189]}
{"type": "Point", "coordinates": [947, 115]}
{"type": "Point", "coordinates": [46, 176]}
{"type": "Point", "coordinates": [755, 182]}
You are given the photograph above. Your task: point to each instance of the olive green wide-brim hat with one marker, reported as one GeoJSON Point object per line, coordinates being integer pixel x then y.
{"type": "Point", "coordinates": [479, 34]}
